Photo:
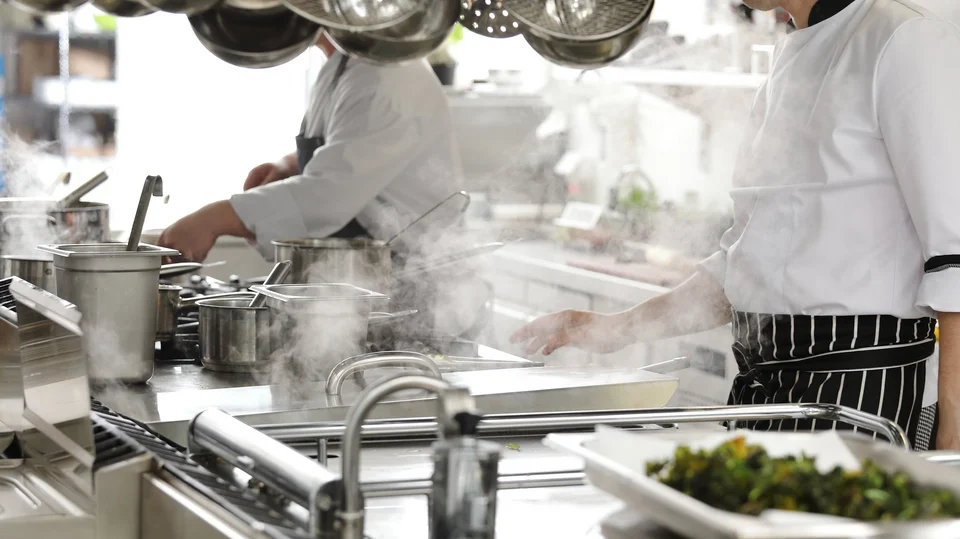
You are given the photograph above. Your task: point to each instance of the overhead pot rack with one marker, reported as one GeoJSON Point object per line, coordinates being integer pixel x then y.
{"type": "Point", "coordinates": [581, 34]}
{"type": "Point", "coordinates": [489, 18]}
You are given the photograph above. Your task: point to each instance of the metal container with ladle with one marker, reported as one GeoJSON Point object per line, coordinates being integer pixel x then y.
{"type": "Point", "coordinates": [114, 287]}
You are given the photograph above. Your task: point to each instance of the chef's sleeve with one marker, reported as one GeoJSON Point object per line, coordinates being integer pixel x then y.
{"type": "Point", "coordinates": [371, 140]}
{"type": "Point", "coordinates": [917, 96]}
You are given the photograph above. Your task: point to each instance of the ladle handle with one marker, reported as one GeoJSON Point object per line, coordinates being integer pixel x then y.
{"type": "Point", "coordinates": [74, 196]}
{"type": "Point", "coordinates": [277, 275]}
{"type": "Point", "coordinates": [466, 203]}
{"type": "Point", "coordinates": [152, 187]}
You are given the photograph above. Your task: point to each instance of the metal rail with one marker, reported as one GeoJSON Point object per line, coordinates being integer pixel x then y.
{"type": "Point", "coordinates": [417, 487]}
{"type": "Point", "coordinates": [552, 422]}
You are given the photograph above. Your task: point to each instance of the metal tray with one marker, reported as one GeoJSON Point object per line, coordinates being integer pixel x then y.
{"type": "Point", "coordinates": [295, 293]}
{"type": "Point", "coordinates": [688, 517]}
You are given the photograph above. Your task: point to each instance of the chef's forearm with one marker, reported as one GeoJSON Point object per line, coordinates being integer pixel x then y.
{"type": "Point", "coordinates": [949, 381]}
{"type": "Point", "coordinates": [698, 304]}
{"type": "Point", "coordinates": [289, 162]}
{"type": "Point", "coordinates": [225, 221]}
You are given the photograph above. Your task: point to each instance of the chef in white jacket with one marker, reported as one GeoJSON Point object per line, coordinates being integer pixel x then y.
{"type": "Point", "coordinates": [376, 149]}
{"type": "Point", "coordinates": [845, 247]}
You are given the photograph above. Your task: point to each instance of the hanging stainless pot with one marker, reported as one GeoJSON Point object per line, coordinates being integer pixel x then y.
{"type": "Point", "coordinates": [585, 53]}
{"type": "Point", "coordinates": [28, 222]}
{"type": "Point", "coordinates": [407, 40]}
{"type": "Point", "coordinates": [182, 7]}
{"type": "Point", "coordinates": [254, 38]}
{"type": "Point", "coordinates": [48, 6]}
{"type": "Point", "coordinates": [124, 8]}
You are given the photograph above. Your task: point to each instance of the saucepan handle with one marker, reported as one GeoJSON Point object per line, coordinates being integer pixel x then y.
{"type": "Point", "coordinates": [50, 221]}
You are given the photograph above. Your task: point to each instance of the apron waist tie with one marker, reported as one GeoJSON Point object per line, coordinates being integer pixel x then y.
{"type": "Point", "coordinates": [844, 360]}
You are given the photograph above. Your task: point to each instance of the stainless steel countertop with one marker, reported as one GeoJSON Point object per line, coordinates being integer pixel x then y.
{"type": "Point", "coordinates": [176, 393]}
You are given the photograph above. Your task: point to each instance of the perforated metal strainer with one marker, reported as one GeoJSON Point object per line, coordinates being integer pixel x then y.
{"type": "Point", "coordinates": [357, 15]}
{"type": "Point", "coordinates": [586, 20]}
{"type": "Point", "coordinates": [489, 18]}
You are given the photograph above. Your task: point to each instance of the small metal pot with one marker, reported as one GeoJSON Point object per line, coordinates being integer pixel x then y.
{"type": "Point", "coordinates": [362, 262]}
{"type": "Point", "coordinates": [234, 337]}
{"type": "Point", "coordinates": [170, 305]}
{"type": "Point", "coordinates": [35, 270]}
{"type": "Point", "coordinates": [315, 326]}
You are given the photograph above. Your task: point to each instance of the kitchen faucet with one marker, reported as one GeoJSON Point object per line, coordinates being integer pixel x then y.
{"type": "Point", "coordinates": [464, 492]}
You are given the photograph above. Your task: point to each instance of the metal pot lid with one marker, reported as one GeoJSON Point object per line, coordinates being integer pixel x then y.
{"type": "Point", "coordinates": [297, 293]}
{"type": "Point", "coordinates": [588, 20]}
{"type": "Point", "coordinates": [356, 15]}
{"type": "Point", "coordinates": [489, 18]}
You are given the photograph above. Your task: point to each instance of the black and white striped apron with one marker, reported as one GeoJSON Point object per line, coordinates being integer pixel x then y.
{"type": "Point", "coordinates": [875, 363]}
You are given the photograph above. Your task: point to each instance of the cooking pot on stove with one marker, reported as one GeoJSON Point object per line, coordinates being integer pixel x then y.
{"type": "Point", "coordinates": [254, 38]}
{"type": "Point", "coordinates": [235, 337]}
{"type": "Point", "coordinates": [36, 270]}
{"type": "Point", "coordinates": [28, 222]}
{"type": "Point", "coordinates": [362, 262]}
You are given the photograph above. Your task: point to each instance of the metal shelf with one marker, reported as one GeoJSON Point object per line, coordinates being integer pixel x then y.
{"type": "Point", "coordinates": [677, 77]}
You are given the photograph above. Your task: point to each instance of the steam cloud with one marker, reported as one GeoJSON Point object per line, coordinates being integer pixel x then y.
{"type": "Point", "coordinates": [19, 235]}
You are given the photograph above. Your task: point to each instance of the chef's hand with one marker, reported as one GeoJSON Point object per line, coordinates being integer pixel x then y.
{"type": "Point", "coordinates": [271, 172]}
{"type": "Point", "coordinates": [195, 234]}
{"type": "Point", "coordinates": [593, 332]}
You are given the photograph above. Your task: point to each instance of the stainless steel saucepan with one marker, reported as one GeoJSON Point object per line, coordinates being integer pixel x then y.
{"type": "Point", "coordinates": [238, 338]}
{"type": "Point", "coordinates": [362, 262]}
{"type": "Point", "coordinates": [170, 305]}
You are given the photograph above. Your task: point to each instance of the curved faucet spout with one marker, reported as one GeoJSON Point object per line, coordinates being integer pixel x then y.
{"type": "Point", "coordinates": [451, 402]}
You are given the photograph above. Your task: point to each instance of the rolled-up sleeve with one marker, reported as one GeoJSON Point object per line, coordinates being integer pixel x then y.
{"type": "Point", "coordinates": [918, 108]}
{"type": "Point", "coordinates": [371, 140]}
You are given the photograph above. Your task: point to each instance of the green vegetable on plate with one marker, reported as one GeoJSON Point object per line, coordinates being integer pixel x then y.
{"type": "Point", "coordinates": [744, 479]}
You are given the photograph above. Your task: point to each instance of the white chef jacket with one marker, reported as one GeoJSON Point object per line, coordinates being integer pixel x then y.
{"type": "Point", "coordinates": [848, 179]}
{"type": "Point", "coordinates": [948, 9]}
{"type": "Point", "coordinates": [390, 156]}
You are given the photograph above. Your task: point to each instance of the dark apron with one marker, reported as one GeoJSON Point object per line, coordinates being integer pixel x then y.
{"type": "Point", "coordinates": [873, 363]}
{"type": "Point", "coordinates": [306, 147]}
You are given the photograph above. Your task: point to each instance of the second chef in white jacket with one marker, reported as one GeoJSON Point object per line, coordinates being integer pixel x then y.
{"type": "Point", "coordinates": [845, 248]}
{"type": "Point", "coordinates": [376, 150]}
